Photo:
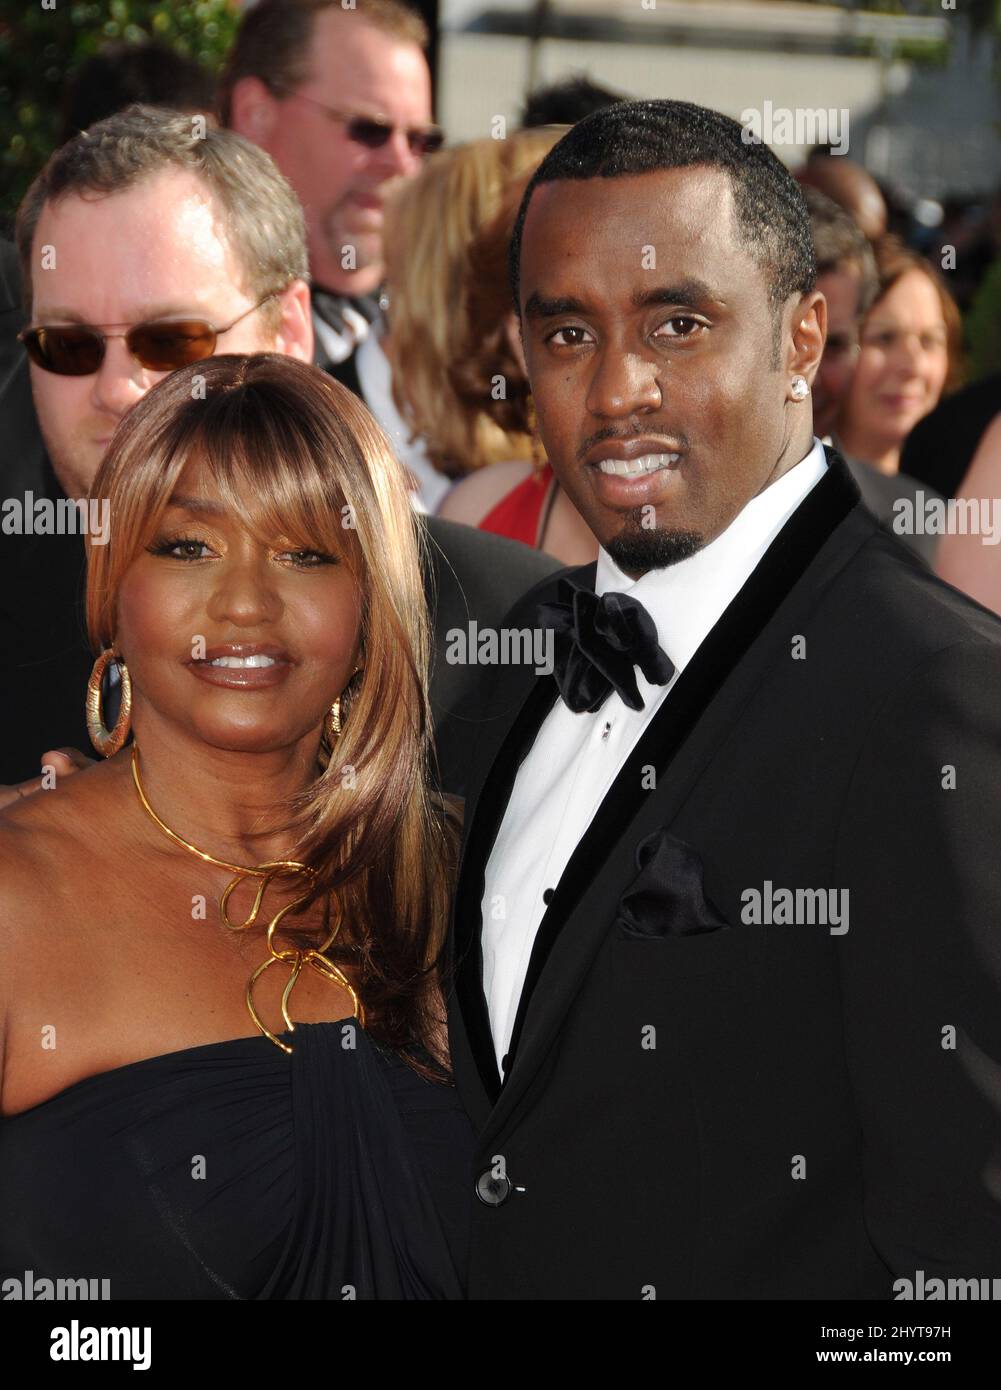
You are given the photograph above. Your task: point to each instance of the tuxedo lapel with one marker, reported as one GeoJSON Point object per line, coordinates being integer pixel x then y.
{"type": "Point", "coordinates": [505, 740]}
{"type": "Point", "coordinates": [681, 739]}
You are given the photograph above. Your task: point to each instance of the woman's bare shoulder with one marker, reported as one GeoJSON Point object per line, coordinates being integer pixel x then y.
{"type": "Point", "coordinates": [473, 497]}
{"type": "Point", "coordinates": [42, 835]}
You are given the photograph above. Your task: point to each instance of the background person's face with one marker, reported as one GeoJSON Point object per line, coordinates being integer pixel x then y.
{"type": "Point", "coordinates": [341, 184]}
{"type": "Point", "coordinates": [206, 575]}
{"type": "Point", "coordinates": [688, 376]}
{"type": "Point", "coordinates": [841, 288]}
{"type": "Point", "coordinates": [902, 364]}
{"type": "Point", "coordinates": [157, 250]}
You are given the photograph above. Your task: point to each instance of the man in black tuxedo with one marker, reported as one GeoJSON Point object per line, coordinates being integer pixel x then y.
{"type": "Point", "coordinates": [726, 941]}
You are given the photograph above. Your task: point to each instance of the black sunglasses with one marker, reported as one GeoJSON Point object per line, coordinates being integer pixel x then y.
{"type": "Point", "coordinates": [78, 349]}
{"type": "Point", "coordinates": [373, 133]}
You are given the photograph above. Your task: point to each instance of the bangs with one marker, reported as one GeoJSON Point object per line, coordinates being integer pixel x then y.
{"type": "Point", "coordinates": [271, 471]}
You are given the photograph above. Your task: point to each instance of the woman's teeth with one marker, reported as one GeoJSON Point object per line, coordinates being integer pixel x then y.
{"type": "Point", "coordinates": [240, 662]}
{"type": "Point", "coordinates": [632, 468]}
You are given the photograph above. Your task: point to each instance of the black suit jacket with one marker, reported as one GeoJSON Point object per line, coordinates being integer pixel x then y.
{"type": "Point", "coordinates": [698, 1106]}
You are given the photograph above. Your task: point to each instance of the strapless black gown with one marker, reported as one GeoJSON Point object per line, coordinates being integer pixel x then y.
{"type": "Point", "coordinates": [232, 1170]}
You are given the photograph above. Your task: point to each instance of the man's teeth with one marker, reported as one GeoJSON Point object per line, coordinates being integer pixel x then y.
{"type": "Point", "coordinates": [631, 468]}
{"type": "Point", "coordinates": [240, 662]}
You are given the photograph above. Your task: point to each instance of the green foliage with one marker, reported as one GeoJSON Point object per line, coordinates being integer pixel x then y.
{"type": "Point", "coordinates": [40, 47]}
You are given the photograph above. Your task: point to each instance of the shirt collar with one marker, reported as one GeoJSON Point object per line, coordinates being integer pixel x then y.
{"type": "Point", "coordinates": [686, 600]}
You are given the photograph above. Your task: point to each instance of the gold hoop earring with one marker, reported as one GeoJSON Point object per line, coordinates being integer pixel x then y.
{"type": "Point", "coordinates": [332, 726]}
{"type": "Point", "coordinates": [106, 742]}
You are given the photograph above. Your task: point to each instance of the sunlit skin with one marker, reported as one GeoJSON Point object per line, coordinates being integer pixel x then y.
{"type": "Point", "coordinates": [901, 372]}
{"type": "Point", "coordinates": [341, 184]}
{"type": "Point", "coordinates": [680, 356]}
{"type": "Point", "coordinates": [156, 250]}
{"type": "Point", "coordinates": [218, 763]}
{"type": "Point", "coordinates": [841, 289]}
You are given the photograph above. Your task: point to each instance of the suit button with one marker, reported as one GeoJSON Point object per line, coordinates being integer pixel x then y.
{"type": "Point", "coordinates": [492, 1190]}
{"type": "Point", "coordinates": [547, 896]}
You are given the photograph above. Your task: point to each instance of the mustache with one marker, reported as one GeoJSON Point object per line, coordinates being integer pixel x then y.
{"type": "Point", "coordinates": [648, 427]}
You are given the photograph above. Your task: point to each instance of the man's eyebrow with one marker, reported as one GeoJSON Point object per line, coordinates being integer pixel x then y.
{"type": "Point", "coordinates": [164, 310]}
{"type": "Point", "coordinates": [687, 292]}
{"type": "Point", "coordinates": [538, 308]}
{"type": "Point", "coordinates": [200, 505]}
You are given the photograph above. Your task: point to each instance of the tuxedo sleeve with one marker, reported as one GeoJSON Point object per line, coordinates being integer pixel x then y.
{"type": "Point", "coordinates": [919, 850]}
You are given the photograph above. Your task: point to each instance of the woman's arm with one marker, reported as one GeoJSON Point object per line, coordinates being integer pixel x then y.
{"type": "Point", "coordinates": [973, 562]}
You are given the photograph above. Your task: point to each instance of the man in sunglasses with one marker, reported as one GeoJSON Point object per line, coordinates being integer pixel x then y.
{"type": "Point", "coordinates": [147, 244]}
{"type": "Point", "coordinates": [341, 100]}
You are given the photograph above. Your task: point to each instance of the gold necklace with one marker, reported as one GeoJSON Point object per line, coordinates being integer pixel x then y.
{"type": "Point", "coordinates": [278, 868]}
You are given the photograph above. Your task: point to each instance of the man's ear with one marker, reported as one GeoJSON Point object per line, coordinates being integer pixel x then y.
{"type": "Point", "coordinates": [294, 335]}
{"type": "Point", "coordinates": [253, 110]}
{"type": "Point", "coordinates": [809, 333]}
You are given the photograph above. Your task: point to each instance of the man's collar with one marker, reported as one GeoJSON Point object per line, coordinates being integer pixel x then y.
{"type": "Point", "coordinates": [687, 598]}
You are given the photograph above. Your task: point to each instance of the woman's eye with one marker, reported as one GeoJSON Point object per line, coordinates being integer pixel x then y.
{"type": "Point", "coordinates": [183, 548]}
{"type": "Point", "coordinates": [308, 559]}
{"type": "Point", "coordinates": [564, 332]}
{"type": "Point", "coordinates": [682, 326]}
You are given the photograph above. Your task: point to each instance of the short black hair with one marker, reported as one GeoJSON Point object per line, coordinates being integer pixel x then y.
{"type": "Point", "coordinates": [120, 74]}
{"type": "Point", "coordinates": [566, 102]}
{"type": "Point", "coordinates": [641, 137]}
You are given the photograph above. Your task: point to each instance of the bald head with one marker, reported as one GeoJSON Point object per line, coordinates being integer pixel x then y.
{"type": "Point", "coordinates": [851, 187]}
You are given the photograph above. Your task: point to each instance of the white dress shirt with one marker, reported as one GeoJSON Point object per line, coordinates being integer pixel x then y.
{"type": "Point", "coordinates": [576, 757]}
{"type": "Point", "coordinates": [375, 376]}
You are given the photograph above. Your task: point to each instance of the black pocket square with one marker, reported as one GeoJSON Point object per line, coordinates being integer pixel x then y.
{"type": "Point", "coordinates": [667, 897]}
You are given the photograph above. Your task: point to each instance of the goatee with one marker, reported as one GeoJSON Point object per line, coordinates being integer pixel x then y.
{"type": "Point", "coordinates": [636, 551]}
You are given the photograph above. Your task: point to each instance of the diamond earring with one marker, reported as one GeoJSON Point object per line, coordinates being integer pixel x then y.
{"type": "Point", "coordinates": [800, 388]}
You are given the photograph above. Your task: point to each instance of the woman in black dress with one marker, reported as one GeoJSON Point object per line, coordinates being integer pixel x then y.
{"type": "Point", "coordinates": [224, 1060]}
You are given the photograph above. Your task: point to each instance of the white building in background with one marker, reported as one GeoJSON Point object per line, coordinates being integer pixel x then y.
{"type": "Point", "coordinates": [935, 129]}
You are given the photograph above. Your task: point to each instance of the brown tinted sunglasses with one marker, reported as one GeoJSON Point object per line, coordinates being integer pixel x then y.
{"type": "Point", "coordinates": [78, 349]}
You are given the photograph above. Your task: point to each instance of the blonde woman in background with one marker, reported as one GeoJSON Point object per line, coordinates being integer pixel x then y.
{"type": "Point", "coordinates": [514, 497]}
{"type": "Point", "coordinates": [405, 370]}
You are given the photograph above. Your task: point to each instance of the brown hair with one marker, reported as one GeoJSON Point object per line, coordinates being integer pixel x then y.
{"type": "Point", "coordinates": [840, 243]}
{"type": "Point", "coordinates": [263, 218]}
{"type": "Point", "coordinates": [895, 260]}
{"type": "Point", "coordinates": [431, 224]}
{"type": "Point", "coordinates": [320, 471]}
{"type": "Point", "coordinates": [485, 352]}
{"type": "Point", "coordinates": [274, 39]}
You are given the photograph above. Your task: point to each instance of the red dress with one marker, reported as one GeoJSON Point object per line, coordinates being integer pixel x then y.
{"type": "Point", "coordinates": [522, 513]}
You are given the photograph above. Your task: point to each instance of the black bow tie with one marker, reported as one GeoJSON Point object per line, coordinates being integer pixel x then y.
{"type": "Point", "coordinates": [598, 642]}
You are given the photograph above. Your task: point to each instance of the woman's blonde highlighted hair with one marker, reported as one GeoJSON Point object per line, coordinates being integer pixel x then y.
{"type": "Point", "coordinates": [431, 223]}
{"type": "Point", "coordinates": [320, 472]}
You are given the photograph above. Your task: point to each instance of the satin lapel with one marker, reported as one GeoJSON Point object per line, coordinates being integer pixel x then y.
{"type": "Point", "coordinates": [682, 737]}
{"type": "Point", "coordinates": [474, 1059]}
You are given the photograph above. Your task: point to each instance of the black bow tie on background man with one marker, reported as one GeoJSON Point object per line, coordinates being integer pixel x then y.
{"type": "Point", "coordinates": [598, 643]}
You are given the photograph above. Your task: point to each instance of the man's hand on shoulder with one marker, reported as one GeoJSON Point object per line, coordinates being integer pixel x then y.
{"type": "Point", "coordinates": [58, 762]}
